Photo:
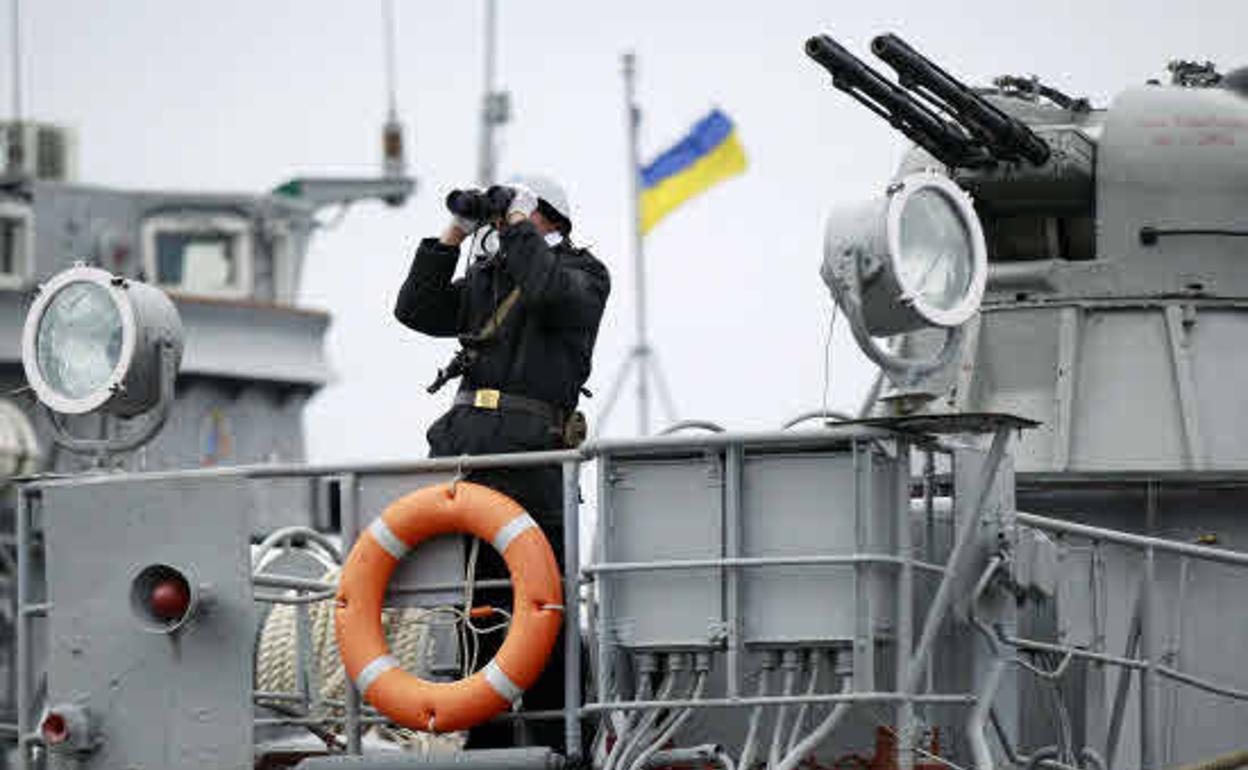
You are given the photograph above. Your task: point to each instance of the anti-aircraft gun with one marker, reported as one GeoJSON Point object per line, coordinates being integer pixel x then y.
{"type": "Point", "coordinates": [979, 135]}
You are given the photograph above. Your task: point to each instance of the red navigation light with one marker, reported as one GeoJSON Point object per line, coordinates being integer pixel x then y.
{"type": "Point", "coordinates": [55, 728]}
{"type": "Point", "coordinates": [163, 598]}
{"type": "Point", "coordinates": [170, 598]}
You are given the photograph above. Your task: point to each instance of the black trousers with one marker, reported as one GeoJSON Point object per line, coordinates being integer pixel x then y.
{"type": "Point", "coordinates": [467, 431]}
{"type": "Point", "coordinates": [540, 492]}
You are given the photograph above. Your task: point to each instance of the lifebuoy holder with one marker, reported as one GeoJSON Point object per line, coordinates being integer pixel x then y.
{"type": "Point", "coordinates": [537, 607]}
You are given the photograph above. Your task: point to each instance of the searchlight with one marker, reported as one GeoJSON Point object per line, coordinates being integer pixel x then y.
{"type": "Point", "coordinates": [913, 259]}
{"type": "Point", "coordinates": [98, 343]}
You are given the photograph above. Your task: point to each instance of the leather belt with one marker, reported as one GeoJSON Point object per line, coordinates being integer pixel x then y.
{"type": "Point", "coordinates": [490, 398]}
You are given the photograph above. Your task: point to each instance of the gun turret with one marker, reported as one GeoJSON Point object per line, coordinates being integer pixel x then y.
{"type": "Point", "coordinates": [1005, 137]}
{"type": "Point", "coordinates": [948, 143]}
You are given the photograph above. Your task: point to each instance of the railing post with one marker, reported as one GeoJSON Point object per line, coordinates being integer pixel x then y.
{"type": "Point", "coordinates": [348, 501]}
{"type": "Point", "coordinates": [734, 462]}
{"type": "Point", "coordinates": [967, 532]}
{"type": "Point", "coordinates": [23, 620]}
{"type": "Point", "coordinates": [1148, 676]}
{"type": "Point", "coordinates": [572, 611]}
{"type": "Point", "coordinates": [1124, 684]}
{"type": "Point", "coordinates": [905, 607]}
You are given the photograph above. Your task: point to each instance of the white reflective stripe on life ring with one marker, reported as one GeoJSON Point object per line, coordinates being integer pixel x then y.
{"type": "Point", "coordinates": [511, 530]}
{"type": "Point", "coordinates": [380, 665]}
{"type": "Point", "coordinates": [502, 683]}
{"type": "Point", "coordinates": [388, 540]}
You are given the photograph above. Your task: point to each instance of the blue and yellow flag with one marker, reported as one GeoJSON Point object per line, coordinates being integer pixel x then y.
{"type": "Point", "coordinates": [708, 155]}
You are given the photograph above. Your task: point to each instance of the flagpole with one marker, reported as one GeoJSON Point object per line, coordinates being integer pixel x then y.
{"type": "Point", "coordinates": [641, 349]}
{"type": "Point", "coordinates": [642, 359]}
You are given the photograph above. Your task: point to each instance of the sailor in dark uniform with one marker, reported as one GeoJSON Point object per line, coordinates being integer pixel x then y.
{"type": "Point", "coordinates": [525, 358]}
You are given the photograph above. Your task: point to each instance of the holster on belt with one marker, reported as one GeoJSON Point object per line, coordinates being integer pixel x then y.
{"type": "Point", "coordinates": [575, 429]}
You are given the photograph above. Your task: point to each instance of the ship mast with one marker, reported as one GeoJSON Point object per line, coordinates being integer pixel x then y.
{"type": "Point", "coordinates": [495, 104]}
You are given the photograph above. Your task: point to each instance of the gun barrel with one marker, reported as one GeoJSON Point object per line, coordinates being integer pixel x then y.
{"type": "Point", "coordinates": [900, 109]}
{"type": "Point", "coordinates": [1006, 136]}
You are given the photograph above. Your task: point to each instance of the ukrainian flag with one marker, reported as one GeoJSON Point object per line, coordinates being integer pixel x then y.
{"type": "Point", "coordinates": [708, 155]}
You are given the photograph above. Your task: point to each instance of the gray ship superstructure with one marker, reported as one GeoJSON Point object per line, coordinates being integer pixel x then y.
{"type": "Point", "coordinates": [1025, 552]}
{"type": "Point", "coordinates": [1114, 314]}
{"type": "Point", "coordinates": [232, 265]}
{"type": "Point", "coordinates": [1117, 318]}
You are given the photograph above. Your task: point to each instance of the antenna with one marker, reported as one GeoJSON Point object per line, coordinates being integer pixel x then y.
{"type": "Point", "coordinates": [15, 131]}
{"type": "Point", "coordinates": [387, 22]}
{"type": "Point", "coordinates": [495, 105]}
{"type": "Point", "coordinates": [393, 186]}
{"type": "Point", "coordinates": [17, 61]}
{"type": "Point", "coordinates": [393, 161]}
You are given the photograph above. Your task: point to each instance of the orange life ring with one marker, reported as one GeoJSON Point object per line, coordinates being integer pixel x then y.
{"type": "Point", "coordinates": [537, 607]}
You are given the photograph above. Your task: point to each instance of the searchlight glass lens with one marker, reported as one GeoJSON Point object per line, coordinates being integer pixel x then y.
{"type": "Point", "coordinates": [78, 343]}
{"type": "Point", "coordinates": [935, 262]}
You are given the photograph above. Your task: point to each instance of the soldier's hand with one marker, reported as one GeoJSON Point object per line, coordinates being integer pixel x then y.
{"type": "Point", "coordinates": [523, 203]}
{"type": "Point", "coordinates": [467, 226]}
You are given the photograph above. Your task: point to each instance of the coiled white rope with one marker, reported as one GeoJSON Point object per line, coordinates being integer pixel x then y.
{"type": "Point", "coordinates": [407, 633]}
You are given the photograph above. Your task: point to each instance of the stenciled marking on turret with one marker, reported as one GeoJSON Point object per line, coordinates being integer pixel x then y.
{"type": "Point", "coordinates": [1194, 130]}
{"type": "Point", "coordinates": [1194, 121]}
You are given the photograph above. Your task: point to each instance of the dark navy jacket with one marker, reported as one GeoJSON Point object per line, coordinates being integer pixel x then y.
{"type": "Point", "coordinates": [544, 348]}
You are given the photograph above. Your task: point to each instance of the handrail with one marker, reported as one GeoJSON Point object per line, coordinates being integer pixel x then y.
{"type": "Point", "coordinates": [828, 414]}
{"type": "Point", "coordinates": [1221, 555]}
{"type": "Point", "coordinates": [706, 425]}
{"type": "Point", "coordinates": [796, 560]}
{"type": "Point", "coordinates": [781, 700]}
{"type": "Point", "coordinates": [1129, 663]}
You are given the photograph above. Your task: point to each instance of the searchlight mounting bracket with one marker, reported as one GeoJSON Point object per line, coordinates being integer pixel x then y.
{"type": "Point", "coordinates": [903, 371]}
{"type": "Point", "coordinates": [102, 449]}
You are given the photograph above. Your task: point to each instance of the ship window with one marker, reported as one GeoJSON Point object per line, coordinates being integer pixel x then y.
{"type": "Point", "coordinates": [195, 261]}
{"type": "Point", "coordinates": [16, 243]}
{"type": "Point", "coordinates": [200, 255]}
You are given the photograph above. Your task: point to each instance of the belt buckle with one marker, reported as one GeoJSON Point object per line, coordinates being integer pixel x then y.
{"type": "Point", "coordinates": [486, 398]}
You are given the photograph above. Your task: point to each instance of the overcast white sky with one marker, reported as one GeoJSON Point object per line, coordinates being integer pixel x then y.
{"type": "Point", "coordinates": [240, 95]}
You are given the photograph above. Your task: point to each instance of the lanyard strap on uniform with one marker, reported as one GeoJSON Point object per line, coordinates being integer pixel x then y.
{"type": "Point", "coordinates": [498, 316]}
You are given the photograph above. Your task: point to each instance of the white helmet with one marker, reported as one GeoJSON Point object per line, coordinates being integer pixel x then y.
{"type": "Point", "coordinates": [548, 190]}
